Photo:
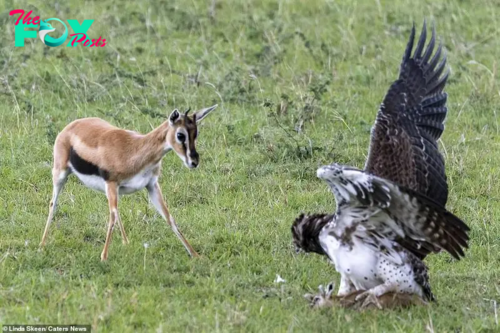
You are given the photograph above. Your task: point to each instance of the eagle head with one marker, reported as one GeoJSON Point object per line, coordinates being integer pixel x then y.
{"type": "Point", "coordinates": [328, 172]}
{"type": "Point", "coordinates": [306, 230]}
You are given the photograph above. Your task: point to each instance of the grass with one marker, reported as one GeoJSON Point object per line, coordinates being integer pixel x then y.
{"type": "Point", "coordinates": [298, 84]}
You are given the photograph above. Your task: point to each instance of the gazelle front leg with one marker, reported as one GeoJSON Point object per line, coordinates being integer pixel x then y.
{"type": "Point", "coordinates": [112, 194]}
{"type": "Point", "coordinates": [156, 198]}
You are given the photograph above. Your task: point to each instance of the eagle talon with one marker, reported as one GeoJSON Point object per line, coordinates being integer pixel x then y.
{"type": "Point", "coordinates": [369, 298]}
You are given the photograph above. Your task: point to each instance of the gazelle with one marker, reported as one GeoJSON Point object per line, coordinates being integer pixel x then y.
{"type": "Point", "coordinates": [117, 161]}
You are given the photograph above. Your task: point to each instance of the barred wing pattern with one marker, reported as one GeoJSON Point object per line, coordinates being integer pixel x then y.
{"type": "Point", "coordinates": [403, 147]}
{"type": "Point", "coordinates": [379, 211]}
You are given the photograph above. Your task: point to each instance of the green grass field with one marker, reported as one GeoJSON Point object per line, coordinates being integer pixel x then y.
{"type": "Point", "coordinates": [298, 85]}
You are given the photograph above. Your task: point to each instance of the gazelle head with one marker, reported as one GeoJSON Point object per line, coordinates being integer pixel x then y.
{"type": "Point", "coordinates": [182, 134]}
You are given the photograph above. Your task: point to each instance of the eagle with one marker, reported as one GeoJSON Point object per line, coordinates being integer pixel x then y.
{"type": "Point", "coordinates": [392, 214]}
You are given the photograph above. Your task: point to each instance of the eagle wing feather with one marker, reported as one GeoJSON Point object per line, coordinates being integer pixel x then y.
{"type": "Point", "coordinates": [382, 209]}
{"type": "Point", "coordinates": [403, 145]}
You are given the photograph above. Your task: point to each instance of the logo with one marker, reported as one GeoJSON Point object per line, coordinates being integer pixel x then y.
{"type": "Point", "coordinates": [45, 28]}
{"type": "Point", "coordinates": [79, 35]}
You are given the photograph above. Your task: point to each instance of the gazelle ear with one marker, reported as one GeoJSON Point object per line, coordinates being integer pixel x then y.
{"type": "Point", "coordinates": [199, 115]}
{"type": "Point", "coordinates": [174, 116]}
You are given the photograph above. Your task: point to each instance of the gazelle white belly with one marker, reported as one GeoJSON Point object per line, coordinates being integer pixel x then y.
{"type": "Point", "coordinates": [137, 182]}
{"type": "Point", "coordinates": [91, 181]}
{"type": "Point", "coordinates": [131, 185]}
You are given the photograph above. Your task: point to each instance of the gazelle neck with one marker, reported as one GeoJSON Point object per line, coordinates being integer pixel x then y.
{"type": "Point", "coordinates": [152, 146]}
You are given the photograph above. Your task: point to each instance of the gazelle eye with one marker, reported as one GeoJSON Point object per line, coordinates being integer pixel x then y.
{"type": "Point", "coordinates": [181, 137]}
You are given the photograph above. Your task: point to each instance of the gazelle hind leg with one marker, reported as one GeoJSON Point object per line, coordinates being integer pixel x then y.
{"type": "Point", "coordinates": [122, 229]}
{"type": "Point", "coordinates": [156, 198]}
{"type": "Point", "coordinates": [59, 178]}
{"type": "Point", "coordinates": [112, 194]}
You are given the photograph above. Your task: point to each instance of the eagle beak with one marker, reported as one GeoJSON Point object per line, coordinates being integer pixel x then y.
{"type": "Point", "coordinates": [322, 172]}
{"type": "Point", "coordinates": [327, 171]}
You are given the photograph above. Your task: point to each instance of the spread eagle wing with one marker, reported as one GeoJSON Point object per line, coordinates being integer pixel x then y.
{"type": "Point", "coordinates": [380, 212]}
{"type": "Point", "coordinates": [403, 145]}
